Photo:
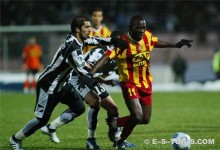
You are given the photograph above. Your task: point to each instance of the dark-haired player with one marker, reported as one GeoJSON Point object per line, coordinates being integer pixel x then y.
{"type": "Point", "coordinates": [97, 28]}
{"type": "Point", "coordinates": [134, 74]}
{"type": "Point", "coordinates": [50, 83]}
{"type": "Point", "coordinates": [107, 102]}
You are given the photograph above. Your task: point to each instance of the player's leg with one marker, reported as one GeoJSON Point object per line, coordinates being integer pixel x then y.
{"type": "Point", "coordinates": [33, 80]}
{"type": "Point", "coordinates": [131, 96]}
{"type": "Point", "coordinates": [43, 109]}
{"type": "Point", "coordinates": [26, 83]}
{"type": "Point", "coordinates": [112, 115]}
{"type": "Point", "coordinates": [92, 117]}
{"type": "Point", "coordinates": [146, 104]}
{"type": "Point", "coordinates": [76, 107]}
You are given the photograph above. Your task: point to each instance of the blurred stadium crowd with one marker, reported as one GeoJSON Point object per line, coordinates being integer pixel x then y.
{"type": "Point", "coordinates": [172, 16]}
{"type": "Point", "coordinates": [169, 20]}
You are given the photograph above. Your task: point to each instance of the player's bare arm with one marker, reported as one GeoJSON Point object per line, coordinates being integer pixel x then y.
{"type": "Point", "coordinates": [163, 44]}
{"type": "Point", "coordinates": [99, 64]}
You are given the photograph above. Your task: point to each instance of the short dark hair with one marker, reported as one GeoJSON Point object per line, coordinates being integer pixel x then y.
{"type": "Point", "coordinates": [96, 9]}
{"type": "Point", "coordinates": [135, 19]}
{"type": "Point", "coordinates": [78, 22]}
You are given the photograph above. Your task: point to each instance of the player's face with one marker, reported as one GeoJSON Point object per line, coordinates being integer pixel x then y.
{"type": "Point", "coordinates": [85, 30]}
{"type": "Point", "coordinates": [137, 30]}
{"type": "Point", "coordinates": [97, 18]}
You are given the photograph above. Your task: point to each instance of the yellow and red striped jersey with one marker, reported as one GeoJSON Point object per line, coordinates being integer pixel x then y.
{"type": "Point", "coordinates": [102, 31]}
{"type": "Point", "coordinates": [134, 63]}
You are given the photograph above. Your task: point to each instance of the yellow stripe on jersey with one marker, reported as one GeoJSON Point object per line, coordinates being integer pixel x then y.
{"type": "Point", "coordinates": [134, 62]}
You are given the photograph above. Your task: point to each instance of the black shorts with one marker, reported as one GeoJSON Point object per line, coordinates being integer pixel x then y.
{"type": "Point", "coordinates": [45, 103]}
{"type": "Point", "coordinates": [32, 71]}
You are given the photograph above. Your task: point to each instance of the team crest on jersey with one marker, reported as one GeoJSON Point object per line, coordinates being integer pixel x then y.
{"type": "Point", "coordinates": [141, 59]}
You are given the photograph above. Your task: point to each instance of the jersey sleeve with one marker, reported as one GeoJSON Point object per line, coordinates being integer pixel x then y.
{"type": "Point", "coordinates": [95, 41]}
{"type": "Point", "coordinates": [94, 55]}
{"type": "Point", "coordinates": [112, 52]}
{"type": "Point", "coordinates": [154, 40]}
{"type": "Point", "coordinates": [76, 61]}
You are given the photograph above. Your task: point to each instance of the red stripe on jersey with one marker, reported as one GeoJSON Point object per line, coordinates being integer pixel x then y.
{"type": "Point", "coordinates": [146, 42]}
{"type": "Point", "coordinates": [102, 32]}
{"type": "Point", "coordinates": [129, 61]}
{"type": "Point", "coordinates": [108, 52]}
{"type": "Point", "coordinates": [140, 68]}
{"type": "Point", "coordinates": [148, 49]}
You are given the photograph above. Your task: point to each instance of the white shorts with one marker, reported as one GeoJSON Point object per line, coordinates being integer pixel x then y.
{"type": "Point", "coordinates": [98, 88]}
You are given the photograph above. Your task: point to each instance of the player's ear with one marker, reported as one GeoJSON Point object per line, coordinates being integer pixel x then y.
{"type": "Point", "coordinates": [77, 29]}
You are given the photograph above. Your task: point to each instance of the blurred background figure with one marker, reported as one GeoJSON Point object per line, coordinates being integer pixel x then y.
{"type": "Point", "coordinates": [98, 29]}
{"type": "Point", "coordinates": [32, 64]}
{"type": "Point", "coordinates": [179, 67]}
{"type": "Point", "coordinates": [216, 63]}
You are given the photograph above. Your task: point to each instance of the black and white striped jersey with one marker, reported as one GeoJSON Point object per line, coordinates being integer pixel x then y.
{"type": "Point", "coordinates": [92, 57]}
{"type": "Point", "coordinates": [69, 56]}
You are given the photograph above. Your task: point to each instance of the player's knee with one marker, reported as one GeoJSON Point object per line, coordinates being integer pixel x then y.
{"type": "Point", "coordinates": [145, 121]}
{"type": "Point", "coordinates": [95, 102]}
{"type": "Point", "coordinates": [138, 118]}
{"type": "Point", "coordinates": [43, 121]}
{"type": "Point", "coordinates": [80, 109]}
{"type": "Point", "coordinates": [112, 110]}
{"type": "Point", "coordinates": [93, 99]}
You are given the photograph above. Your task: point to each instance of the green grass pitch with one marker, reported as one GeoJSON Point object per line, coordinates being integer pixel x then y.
{"type": "Point", "coordinates": [196, 113]}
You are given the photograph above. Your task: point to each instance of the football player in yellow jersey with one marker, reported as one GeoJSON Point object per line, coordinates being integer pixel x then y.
{"type": "Point", "coordinates": [134, 74]}
{"type": "Point", "coordinates": [98, 29]}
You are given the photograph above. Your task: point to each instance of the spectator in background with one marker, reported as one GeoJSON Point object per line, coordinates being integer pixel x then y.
{"type": "Point", "coordinates": [216, 63]}
{"type": "Point", "coordinates": [32, 64]}
{"type": "Point", "coordinates": [179, 67]}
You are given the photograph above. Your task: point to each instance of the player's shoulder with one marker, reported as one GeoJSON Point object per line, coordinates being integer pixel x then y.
{"type": "Point", "coordinates": [71, 41]}
{"type": "Point", "coordinates": [106, 28]}
{"type": "Point", "coordinates": [147, 32]}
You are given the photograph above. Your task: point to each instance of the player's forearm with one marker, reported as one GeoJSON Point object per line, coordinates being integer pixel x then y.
{"type": "Point", "coordinates": [97, 41]}
{"type": "Point", "coordinates": [99, 64]}
{"type": "Point", "coordinates": [163, 44]}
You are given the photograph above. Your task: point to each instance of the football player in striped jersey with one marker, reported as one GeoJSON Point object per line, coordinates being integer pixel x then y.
{"type": "Point", "coordinates": [134, 73]}
{"type": "Point", "coordinates": [50, 83]}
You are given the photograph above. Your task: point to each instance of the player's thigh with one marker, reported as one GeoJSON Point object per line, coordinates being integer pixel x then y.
{"type": "Point", "coordinates": [146, 109]}
{"type": "Point", "coordinates": [106, 100]}
{"type": "Point", "coordinates": [92, 99]}
{"type": "Point", "coordinates": [146, 104]}
{"type": "Point", "coordinates": [131, 96]}
{"type": "Point", "coordinates": [70, 97]}
{"type": "Point", "coordinates": [45, 103]}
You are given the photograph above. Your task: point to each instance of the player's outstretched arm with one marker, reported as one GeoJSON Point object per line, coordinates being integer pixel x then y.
{"type": "Point", "coordinates": [117, 42]}
{"type": "Point", "coordinates": [99, 64]}
{"type": "Point", "coordinates": [182, 42]}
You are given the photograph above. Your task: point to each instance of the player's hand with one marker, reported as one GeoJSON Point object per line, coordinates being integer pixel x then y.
{"type": "Point", "coordinates": [110, 82]}
{"type": "Point", "coordinates": [183, 42]}
{"type": "Point", "coordinates": [122, 44]}
{"type": "Point", "coordinates": [24, 67]}
{"type": "Point", "coordinates": [85, 79]}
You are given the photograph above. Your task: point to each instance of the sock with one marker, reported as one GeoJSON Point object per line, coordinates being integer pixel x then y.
{"type": "Point", "coordinates": [91, 133]}
{"type": "Point", "coordinates": [113, 120]}
{"type": "Point", "coordinates": [128, 128]}
{"type": "Point", "coordinates": [19, 135]}
{"type": "Point", "coordinates": [92, 121]}
{"type": "Point", "coordinates": [122, 121]}
{"type": "Point", "coordinates": [66, 117]}
{"type": "Point", "coordinates": [26, 84]}
{"type": "Point", "coordinates": [56, 123]}
{"type": "Point", "coordinates": [33, 84]}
